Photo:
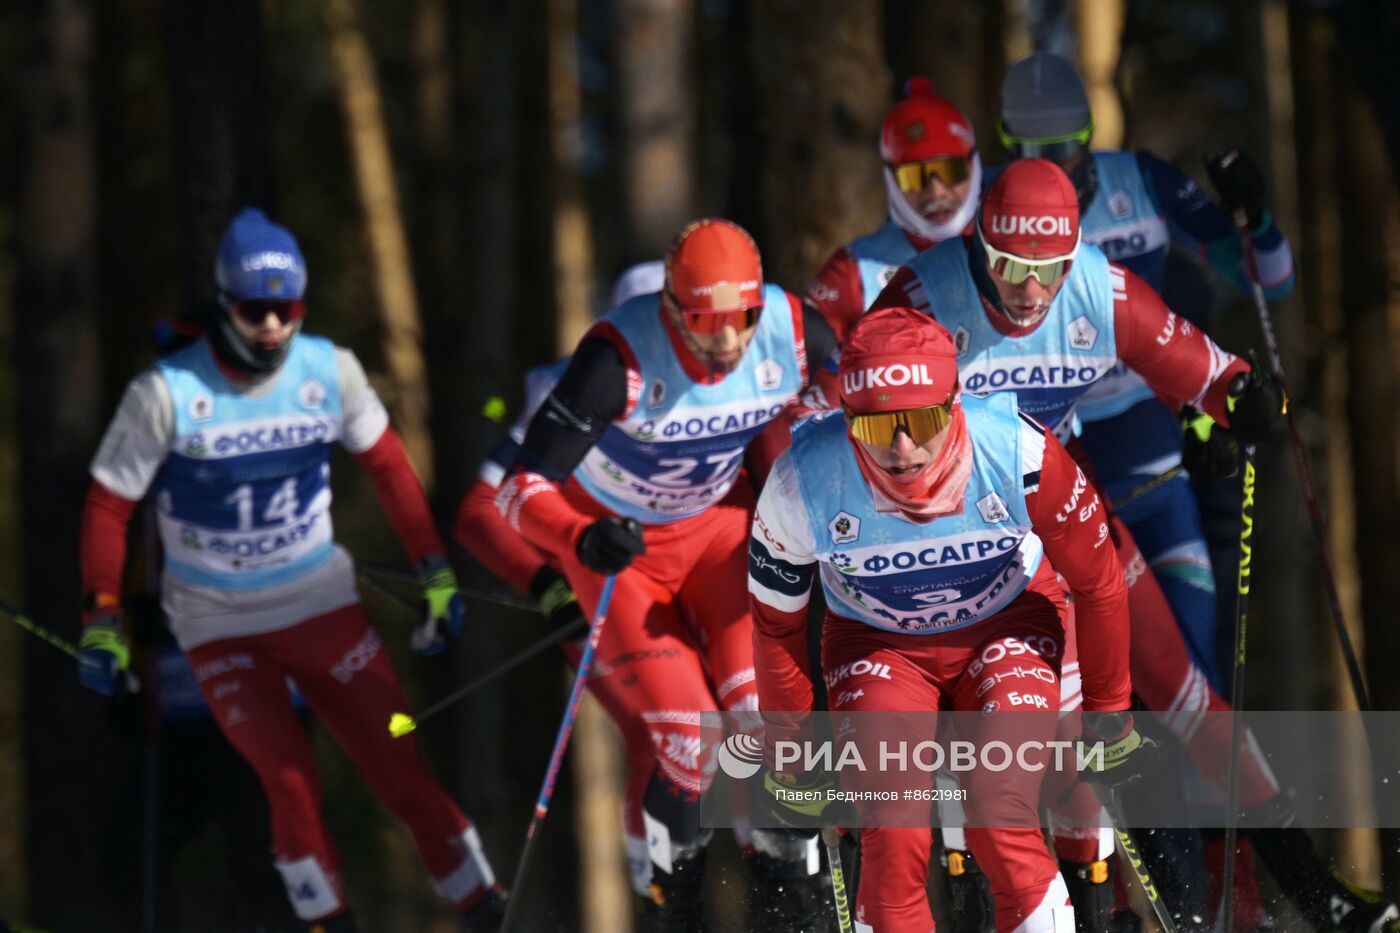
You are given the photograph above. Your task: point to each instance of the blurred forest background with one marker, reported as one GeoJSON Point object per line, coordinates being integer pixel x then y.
{"type": "Point", "coordinates": [466, 178]}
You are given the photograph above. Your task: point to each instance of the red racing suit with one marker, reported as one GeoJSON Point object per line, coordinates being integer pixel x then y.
{"type": "Point", "coordinates": [245, 643]}
{"type": "Point", "coordinates": [677, 642]}
{"type": "Point", "coordinates": [951, 670]}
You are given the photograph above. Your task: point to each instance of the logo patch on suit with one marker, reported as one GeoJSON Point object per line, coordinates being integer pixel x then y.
{"type": "Point", "coordinates": [768, 375]}
{"type": "Point", "coordinates": [844, 528]}
{"type": "Point", "coordinates": [1082, 334]}
{"type": "Point", "coordinates": [993, 508]}
{"type": "Point", "coordinates": [961, 338]}
{"type": "Point", "coordinates": [201, 407]}
{"type": "Point", "coordinates": [311, 394]}
{"type": "Point", "coordinates": [1120, 205]}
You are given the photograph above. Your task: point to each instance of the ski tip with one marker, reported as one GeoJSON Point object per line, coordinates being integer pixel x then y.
{"type": "Point", "coordinates": [401, 724]}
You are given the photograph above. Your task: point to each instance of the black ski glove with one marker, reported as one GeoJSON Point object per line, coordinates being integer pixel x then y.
{"type": "Point", "coordinates": [1128, 755]}
{"type": "Point", "coordinates": [557, 601]}
{"type": "Point", "coordinates": [1257, 405]}
{"type": "Point", "coordinates": [1208, 451]}
{"type": "Point", "coordinates": [1239, 183]}
{"type": "Point", "coordinates": [609, 544]}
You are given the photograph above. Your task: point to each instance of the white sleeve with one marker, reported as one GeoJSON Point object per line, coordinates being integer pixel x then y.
{"type": "Point", "coordinates": [363, 416]}
{"type": "Point", "coordinates": [138, 439]}
{"type": "Point", "coordinates": [781, 546]}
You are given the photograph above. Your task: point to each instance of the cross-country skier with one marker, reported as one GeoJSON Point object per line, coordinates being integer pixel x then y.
{"type": "Point", "coordinates": [912, 466]}
{"type": "Point", "coordinates": [233, 434]}
{"type": "Point", "coordinates": [634, 466]}
{"type": "Point", "coordinates": [933, 178]}
{"type": "Point", "coordinates": [1136, 208]}
{"type": "Point", "coordinates": [1035, 311]}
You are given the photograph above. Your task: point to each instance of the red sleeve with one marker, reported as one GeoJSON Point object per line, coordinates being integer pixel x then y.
{"type": "Point", "coordinates": [485, 535]}
{"type": "Point", "coordinates": [534, 508]}
{"type": "Point", "coordinates": [799, 335]}
{"type": "Point", "coordinates": [899, 293]}
{"type": "Point", "coordinates": [1069, 517]}
{"type": "Point", "coordinates": [837, 292]}
{"type": "Point", "coordinates": [401, 495]}
{"type": "Point", "coordinates": [780, 659]}
{"type": "Point", "coordinates": [102, 547]}
{"type": "Point", "coordinates": [1176, 358]}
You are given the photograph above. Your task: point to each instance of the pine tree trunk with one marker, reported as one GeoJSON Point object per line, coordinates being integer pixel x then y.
{"type": "Point", "coordinates": [823, 89]}
{"type": "Point", "coordinates": [78, 768]}
{"type": "Point", "coordinates": [655, 41]}
{"type": "Point", "coordinates": [393, 274]}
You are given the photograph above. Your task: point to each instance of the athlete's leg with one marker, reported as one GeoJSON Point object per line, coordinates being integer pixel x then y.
{"type": "Point", "coordinates": [870, 671]}
{"type": "Point", "coordinates": [339, 663]}
{"type": "Point", "coordinates": [247, 694]}
{"type": "Point", "coordinates": [1167, 527]}
{"type": "Point", "coordinates": [1012, 677]}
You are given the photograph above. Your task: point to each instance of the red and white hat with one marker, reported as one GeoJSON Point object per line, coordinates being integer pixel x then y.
{"type": "Point", "coordinates": [896, 359]}
{"type": "Point", "coordinates": [714, 266]}
{"type": "Point", "coordinates": [1031, 211]}
{"type": "Point", "coordinates": [924, 126]}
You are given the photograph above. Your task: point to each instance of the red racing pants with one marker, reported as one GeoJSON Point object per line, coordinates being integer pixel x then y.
{"type": "Point", "coordinates": [677, 643]}
{"type": "Point", "coordinates": [339, 665]}
{"type": "Point", "coordinates": [1019, 650]}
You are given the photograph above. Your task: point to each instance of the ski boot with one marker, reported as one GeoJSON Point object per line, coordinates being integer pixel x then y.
{"type": "Point", "coordinates": [973, 907]}
{"type": "Point", "coordinates": [1091, 894]}
{"type": "Point", "coordinates": [787, 897]}
{"type": "Point", "coordinates": [1353, 909]}
{"type": "Point", "coordinates": [676, 903]}
{"type": "Point", "coordinates": [1329, 902]}
{"type": "Point", "coordinates": [486, 915]}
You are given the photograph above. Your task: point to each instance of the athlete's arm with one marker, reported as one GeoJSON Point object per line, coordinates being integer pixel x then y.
{"type": "Point", "coordinates": [1175, 356]}
{"type": "Point", "coordinates": [902, 291]}
{"type": "Point", "coordinates": [484, 534]}
{"type": "Point", "coordinates": [781, 568]}
{"type": "Point", "coordinates": [378, 449]}
{"type": "Point", "coordinates": [1070, 519]}
{"type": "Point", "coordinates": [135, 445]}
{"type": "Point", "coordinates": [600, 386]}
{"type": "Point", "coordinates": [1201, 225]}
{"type": "Point", "coordinates": [838, 293]}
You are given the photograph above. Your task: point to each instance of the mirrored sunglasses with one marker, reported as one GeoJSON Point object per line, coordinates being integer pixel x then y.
{"type": "Point", "coordinates": [878, 429]}
{"type": "Point", "coordinates": [255, 310]}
{"type": "Point", "coordinates": [1014, 269]}
{"type": "Point", "coordinates": [915, 176]}
{"type": "Point", "coordinates": [707, 321]}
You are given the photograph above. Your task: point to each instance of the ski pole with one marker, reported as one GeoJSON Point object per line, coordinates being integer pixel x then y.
{"type": "Point", "coordinates": [372, 573]}
{"type": "Point", "coordinates": [133, 683]}
{"type": "Point", "coordinates": [34, 628]}
{"type": "Point", "coordinates": [1300, 459]}
{"type": "Point", "coordinates": [1128, 851]}
{"type": "Point", "coordinates": [1227, 904]}
{"type": "Point", "coordinates": [1147, 487]}
{"type": "Point", "coordinates": [401, 724]}
{"type": "Point", "coordinates": [561, 744]}
{"type": "Point", "coordinates": [832, 841]}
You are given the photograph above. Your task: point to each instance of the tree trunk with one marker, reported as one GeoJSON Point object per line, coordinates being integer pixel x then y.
{"type": "Point", "coordinates": [823, 90]}
{"type": "Point", "coordinates": [1098, 29]}
{"type": "Point", "coordinates": [78, 770]}
{"type": "Point", "coordinates": [658, 121]}
{"type": "Point", "coordinates": [393, 273]}
{"type": "Point", "coordinates": [222, 161]}
{"type": "Point", "coordinates": [1370, 243]}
